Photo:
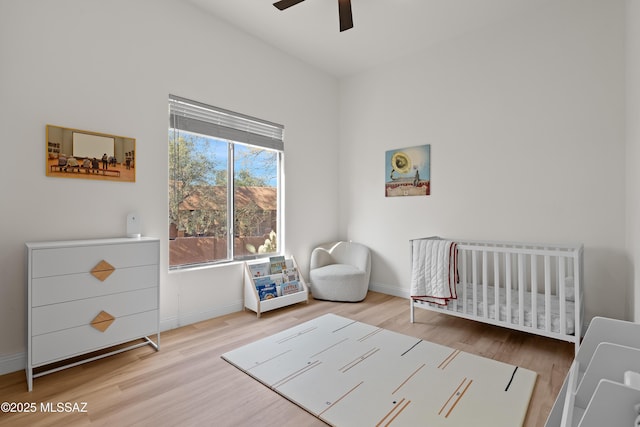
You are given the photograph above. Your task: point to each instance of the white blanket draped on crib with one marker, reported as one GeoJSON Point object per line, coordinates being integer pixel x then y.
{"type": "Point", "coordinates": [434, 270]}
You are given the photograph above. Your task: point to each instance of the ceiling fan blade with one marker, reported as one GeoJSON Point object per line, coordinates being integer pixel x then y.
{"type": "Point", "coordinates": [344, 10]}
{"type": "Point", "coordinates": [284, 4]}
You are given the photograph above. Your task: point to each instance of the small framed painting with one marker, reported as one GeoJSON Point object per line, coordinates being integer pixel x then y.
{"type": "Point", "coordinates": [408, 171]}
{"type": "Point", "coordinates": [74, 153]}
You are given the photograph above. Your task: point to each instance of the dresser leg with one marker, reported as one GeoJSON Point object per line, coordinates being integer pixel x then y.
{"type": "Point", "coordinates": [29, 372]}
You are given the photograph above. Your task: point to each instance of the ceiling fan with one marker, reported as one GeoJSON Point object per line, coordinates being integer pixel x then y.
{"type": "Point", "coordinates": [344, 11]}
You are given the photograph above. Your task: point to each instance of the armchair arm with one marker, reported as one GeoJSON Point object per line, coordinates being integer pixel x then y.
{"type": "Point", "coordinates": [360, 257]}
{"type": "Point", "coordinates": [319, 258]}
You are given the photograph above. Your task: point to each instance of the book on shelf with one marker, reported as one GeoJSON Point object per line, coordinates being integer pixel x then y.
{"type": "Point", "coordinates": [277, 279]}
{"type": "Point", "coordinates": [266, 287]}
{"type": "Point", "coordinates": [259, 270]}
{"type": "Point", "coordinates": [290, 274]}
{"type": "Point", "coordinates": [291, 287]}
{"type": "Point", "coordinates": [277, 264]}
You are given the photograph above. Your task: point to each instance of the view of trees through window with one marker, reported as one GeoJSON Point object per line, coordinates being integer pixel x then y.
{"type": "Point", "coordinates": [223, 199]}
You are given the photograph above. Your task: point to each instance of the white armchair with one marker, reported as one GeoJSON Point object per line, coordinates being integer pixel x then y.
{"type": "Point", "coordinates": [340, 271]}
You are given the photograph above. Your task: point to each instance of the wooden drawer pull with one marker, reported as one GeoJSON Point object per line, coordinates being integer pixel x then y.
{"type": "Point", "coordinates": [102, 321]}
{"type": "Point", "coordinates": [102, 270]}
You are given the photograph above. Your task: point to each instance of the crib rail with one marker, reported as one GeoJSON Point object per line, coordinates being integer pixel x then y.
{"type": "Point", "coordinates": [526, 286]}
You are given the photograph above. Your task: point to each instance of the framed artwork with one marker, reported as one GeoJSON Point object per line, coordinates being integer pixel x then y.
{"type": "Point", "coordinates": [74, 153]}
{"type": "Point", "coordinates": [408, 171]}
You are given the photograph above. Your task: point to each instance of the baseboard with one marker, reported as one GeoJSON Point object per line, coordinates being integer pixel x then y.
{"type": "Point", "coordinates": [183, 319]}
{"type": "Point", "coordinates": [169, 323]}
{"type": "Point", "coordinates": [389, 290]}
{"type": "Point", "coordinates": [12, 363]}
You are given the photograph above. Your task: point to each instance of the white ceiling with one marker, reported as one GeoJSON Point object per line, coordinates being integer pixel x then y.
{"type": "Point", "coordinates": [383, 29]}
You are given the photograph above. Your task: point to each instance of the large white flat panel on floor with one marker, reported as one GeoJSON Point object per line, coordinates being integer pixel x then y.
{"type": "Point", "coordinates": [348, 373]}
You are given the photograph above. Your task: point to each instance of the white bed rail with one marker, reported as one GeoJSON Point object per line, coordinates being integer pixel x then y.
{"type": "Point", "coordinates": [530, 287]}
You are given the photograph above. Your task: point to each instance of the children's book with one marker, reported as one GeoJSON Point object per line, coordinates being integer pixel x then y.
{"type": "Point", "coordinates": [290, 287]}
{"type": "Point", "coordinates": [259, 270]}
{"type": "Point", "coordinates": [266, 288]}
{"type": "Point", "coordinates": [289, 274]}
{"type": "Point", "coordinates": [277, 264]}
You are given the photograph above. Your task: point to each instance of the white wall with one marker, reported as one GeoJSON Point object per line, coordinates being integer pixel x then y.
{"type": "Point", "coordinates": [109, 66]}
{"type": "Point", "coordinates": [526, 121]}
{"type": "Point", "coordinates": [633, 146]}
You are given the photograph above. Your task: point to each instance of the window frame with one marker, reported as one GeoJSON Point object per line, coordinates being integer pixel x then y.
{"type": "Point", "coordinates": [223, 125]}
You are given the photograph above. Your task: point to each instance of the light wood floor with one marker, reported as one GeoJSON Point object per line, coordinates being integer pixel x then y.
{"type": "Point", "coordinates": [186, 383]}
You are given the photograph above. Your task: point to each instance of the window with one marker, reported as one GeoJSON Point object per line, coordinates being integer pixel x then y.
{"type": "Point", "coordinates": [224, 185]}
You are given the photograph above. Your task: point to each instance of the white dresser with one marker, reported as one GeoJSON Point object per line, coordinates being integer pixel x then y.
{"type": "Point", "coordinates": [88, 295]}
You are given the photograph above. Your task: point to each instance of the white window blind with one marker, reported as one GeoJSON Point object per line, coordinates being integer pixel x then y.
{"type": "Point", "coordinates": [196, 117]}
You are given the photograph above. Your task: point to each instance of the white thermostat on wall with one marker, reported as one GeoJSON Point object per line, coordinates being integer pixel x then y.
{"type": "Point", "coordinates": [133, 225]}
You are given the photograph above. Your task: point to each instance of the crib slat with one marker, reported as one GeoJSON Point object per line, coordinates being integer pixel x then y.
{"type": "Point", "coordinates": [534, 292]}
{"type": "Point", "coordinates": [485, 299]}
{"type": "Point", "coordinates": [508, 285]}
{"type": "Point", "coordinates": [521, 286]}
{"type": "Point", "coordinates": [547, 293]}
{"type": "Point", "coordinates": [496, 287]}
{"type": "Point", "coordinates": [562, 294]}
{"type": "Point", "coordinates": [474, 281]}
{"type": "Point", "coordinates": [464, 281]}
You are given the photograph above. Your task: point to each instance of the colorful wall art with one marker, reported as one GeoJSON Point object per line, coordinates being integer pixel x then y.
{"type": "Point", "coordinates": [74, 153]}
{"type": "Point", "coordinates": [408, 171]}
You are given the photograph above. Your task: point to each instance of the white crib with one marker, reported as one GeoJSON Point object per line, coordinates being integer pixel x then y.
{"type": "Point", "coordinates": [530, 287]}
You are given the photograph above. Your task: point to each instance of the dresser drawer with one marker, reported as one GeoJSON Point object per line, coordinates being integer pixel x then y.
{"type": "Point", "coordinates": [82, 259]}
{"type": "Point", "coordinates": [72, 342]}
{"type": "Point", "coordinates": [55, 317]}
{"type": "Point", "coordinates": [55, 289]}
